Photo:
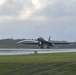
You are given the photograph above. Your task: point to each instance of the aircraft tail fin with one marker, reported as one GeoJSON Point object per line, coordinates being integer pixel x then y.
{"type": "Point", "coordinates": [49, 40]}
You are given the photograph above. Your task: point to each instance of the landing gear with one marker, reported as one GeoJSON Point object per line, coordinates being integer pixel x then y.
{"type": "Point", "coordinates": [41, 47]}
{"type": "Point", "coordinates": [48, 47]}
{"type": "Point", "coordinates": [40, 44]}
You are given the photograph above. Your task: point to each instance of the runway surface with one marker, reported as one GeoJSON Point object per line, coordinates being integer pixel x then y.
{"type": "Point", "coordinates": [5, 51]}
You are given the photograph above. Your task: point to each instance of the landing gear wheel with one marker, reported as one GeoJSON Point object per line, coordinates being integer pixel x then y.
{"type": "Point", "coordinates": [48, 47]}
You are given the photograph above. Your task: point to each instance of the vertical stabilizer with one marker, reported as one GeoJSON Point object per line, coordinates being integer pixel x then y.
{"type": "Point", "coordinates": [49, 40]}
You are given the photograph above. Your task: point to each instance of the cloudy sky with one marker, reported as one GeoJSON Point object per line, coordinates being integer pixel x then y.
{"type": "Point", "coordinates": [34, 18]}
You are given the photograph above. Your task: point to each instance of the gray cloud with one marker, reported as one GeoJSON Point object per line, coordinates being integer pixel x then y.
{"type": "Point", "coordinates": [14, 7]}
{"type": "Point", "coordinates": [33, 18]}
{"type": "Point", "coordinates": [60, 9]}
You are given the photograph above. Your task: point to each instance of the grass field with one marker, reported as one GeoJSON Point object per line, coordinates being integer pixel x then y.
{"type": "Point", "coordinates": [39, 64]}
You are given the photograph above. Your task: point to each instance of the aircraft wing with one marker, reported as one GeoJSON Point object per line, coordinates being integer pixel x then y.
{"type": "Point", "coordinates": [55, 43]}
{"type": "Point", "coordinates": [63, 43]}
{"type": "Point", "coordinates": [28, 42]}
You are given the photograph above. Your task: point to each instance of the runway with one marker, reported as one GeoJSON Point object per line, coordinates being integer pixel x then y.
{"type": "Point", "coordinates": [5, 51]}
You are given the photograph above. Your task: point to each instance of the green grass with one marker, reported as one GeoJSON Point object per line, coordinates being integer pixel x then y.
{"type": "Point", "coordinates": [39, 64]}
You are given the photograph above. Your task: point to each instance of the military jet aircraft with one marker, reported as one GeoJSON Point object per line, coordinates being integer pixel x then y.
{"type": "Point", "coordinates": [41, 42]}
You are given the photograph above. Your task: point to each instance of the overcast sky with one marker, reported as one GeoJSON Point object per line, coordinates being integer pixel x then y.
{"type": "Point", "coordinates": [34, 18]}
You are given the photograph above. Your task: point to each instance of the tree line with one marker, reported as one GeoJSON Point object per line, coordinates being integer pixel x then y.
{"type": "Point", "coordinates": [12, 43]}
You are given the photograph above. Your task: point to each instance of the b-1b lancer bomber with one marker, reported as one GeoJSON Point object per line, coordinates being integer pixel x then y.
{"type": "Point", "coordinates": [41, 42]}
